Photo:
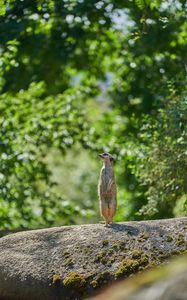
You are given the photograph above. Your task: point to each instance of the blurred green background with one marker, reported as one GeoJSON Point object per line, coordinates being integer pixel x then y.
{"type": "Point", "coordinates": [79, 77]}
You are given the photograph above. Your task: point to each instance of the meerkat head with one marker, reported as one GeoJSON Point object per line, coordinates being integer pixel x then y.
{"type": "Point", "coordinates": [106, 157]}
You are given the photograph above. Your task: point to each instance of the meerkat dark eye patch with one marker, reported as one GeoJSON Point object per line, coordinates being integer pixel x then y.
{"type": "Point", "coordinates": [111, 158]}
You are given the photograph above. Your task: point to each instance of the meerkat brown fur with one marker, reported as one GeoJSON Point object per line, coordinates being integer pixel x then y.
{"type": "Point", "coordinates": [107, 189]}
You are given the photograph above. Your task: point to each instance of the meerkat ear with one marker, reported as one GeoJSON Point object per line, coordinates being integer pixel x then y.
{"type": "Point", "coordinates": [111, 158]}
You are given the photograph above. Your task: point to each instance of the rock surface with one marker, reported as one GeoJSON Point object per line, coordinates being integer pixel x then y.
{"type": "Point", "coordinates": [75, 261]}
{"type": "Point", "coordinates": [168, 282]}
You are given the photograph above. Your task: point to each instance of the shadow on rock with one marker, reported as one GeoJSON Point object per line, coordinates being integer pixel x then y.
{"type": "Point", "coordinates": [122, 227]}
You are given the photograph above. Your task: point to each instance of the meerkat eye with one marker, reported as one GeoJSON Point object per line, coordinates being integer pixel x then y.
{"type": "Point", "coordinates": [105, 154]}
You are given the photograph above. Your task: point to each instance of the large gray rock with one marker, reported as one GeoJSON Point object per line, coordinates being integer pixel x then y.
{"type": "Point", "coordinates": [75, 261]}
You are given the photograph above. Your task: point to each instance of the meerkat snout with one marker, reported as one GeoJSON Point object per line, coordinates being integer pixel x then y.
{"type": "Point", "coordinates": [106, 156]}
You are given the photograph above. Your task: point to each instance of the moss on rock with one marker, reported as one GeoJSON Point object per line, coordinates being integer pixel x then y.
{"type": "Point", "coordinates": [101, 257]}
{"type": "Point", "coordinates": [103, 278]}
{"type": "Point", "coordinates": [132, 265]}
{"type": "Point", "coordinates": [180, 240]}
{"type": "Point", "coordinates": [169, 238]}
{"type": "Point", "coordinates": [74, 280]}
{"type": "Point", "coordinates": [127, 267]}
{"type": "Point", "coordinates": [136, 253]}
{"type": "Point", "coordinates": [56, 278]}
{"type": "Point", "coordinates": [142, 237]}
{"type": "Point", "coordinates": [105, 242]}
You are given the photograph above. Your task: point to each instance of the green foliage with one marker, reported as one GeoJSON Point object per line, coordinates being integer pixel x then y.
{"type": "Point", "coordinates": [31, 123]}
{"type": "Point", "coordinates": [54, 39]}
{"type": "Point", "coordinates": [164, 161]}
{"type": "Point", "coordinates": [2, 7]}
{"type": "Point", "coordinates": [76, 177]}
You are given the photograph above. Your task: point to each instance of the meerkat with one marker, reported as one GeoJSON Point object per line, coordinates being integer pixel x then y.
{"type": "Point", "coordinates": [107, 191]}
